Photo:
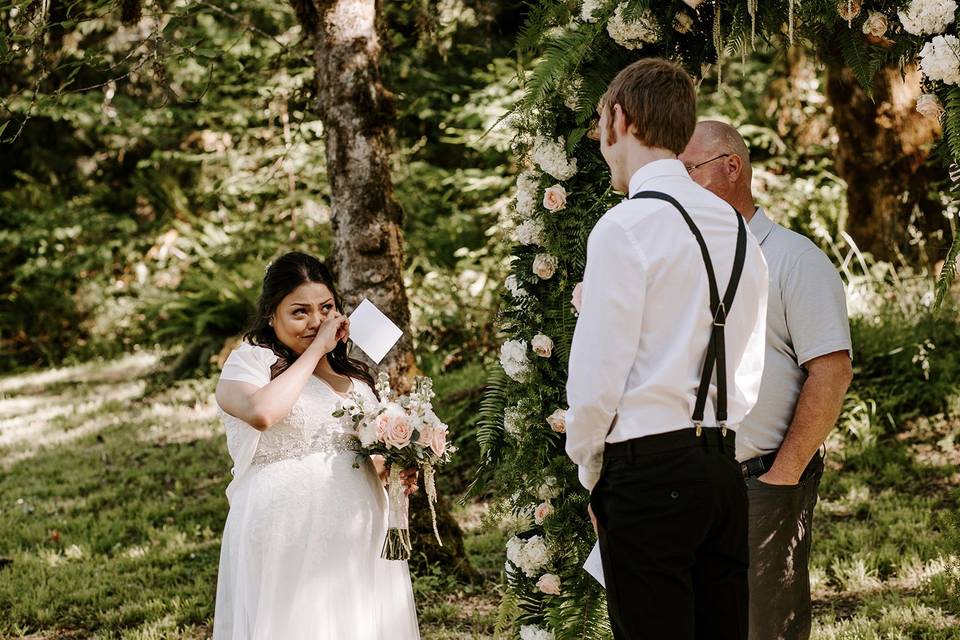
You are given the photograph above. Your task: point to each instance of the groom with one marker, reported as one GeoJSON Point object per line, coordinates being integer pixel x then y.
{"type": "Point", "coordinates": [665, 362]}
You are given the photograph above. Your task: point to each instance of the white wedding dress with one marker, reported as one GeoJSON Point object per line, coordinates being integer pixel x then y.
{"type": "Point", "coordinates": [301, 547]}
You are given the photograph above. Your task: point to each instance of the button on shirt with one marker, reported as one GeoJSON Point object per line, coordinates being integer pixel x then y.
{"type": "Point", "coordinates": [641, 338]}
{"type": "Point", "coordinates": [806, 318]}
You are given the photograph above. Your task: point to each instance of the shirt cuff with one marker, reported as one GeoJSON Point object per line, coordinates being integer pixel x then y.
{"type": "Point", "coordinates": [589, 475]}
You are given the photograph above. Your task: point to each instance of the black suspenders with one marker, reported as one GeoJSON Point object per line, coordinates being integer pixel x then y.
{"type": "Point", "coordinates": [716, 348]}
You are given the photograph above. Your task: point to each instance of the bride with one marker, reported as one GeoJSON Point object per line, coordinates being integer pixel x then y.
{"type": "Point", "coordinates": [300, 558]}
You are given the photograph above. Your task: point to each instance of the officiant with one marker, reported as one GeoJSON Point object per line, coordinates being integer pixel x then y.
{"type": "Point", "coordinates": [665, 362]}
{"type": "Point", "coordinates": [805, 376]}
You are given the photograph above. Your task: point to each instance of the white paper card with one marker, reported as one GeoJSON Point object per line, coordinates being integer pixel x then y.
{"type": "Point", "coordinates": [372, 331]}
{"type": "Point", "coordinates": [594, 566]}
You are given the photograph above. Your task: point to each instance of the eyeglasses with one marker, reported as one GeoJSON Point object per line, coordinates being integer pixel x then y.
{"type": "Point", "coordinates": [690, 168]}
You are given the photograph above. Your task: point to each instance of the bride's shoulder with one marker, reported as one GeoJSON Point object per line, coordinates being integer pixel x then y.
{"type": "Point", "coordinates": [249, 363]}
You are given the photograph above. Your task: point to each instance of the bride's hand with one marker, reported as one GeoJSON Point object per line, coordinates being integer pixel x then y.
{"type": "Point", "coordinates": [334, 329]}
{"type": "Point", "coordinates": [409, 478]}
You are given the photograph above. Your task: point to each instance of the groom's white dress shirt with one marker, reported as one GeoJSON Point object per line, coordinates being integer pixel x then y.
{"type": "Point", "coordinates": [641, 338]}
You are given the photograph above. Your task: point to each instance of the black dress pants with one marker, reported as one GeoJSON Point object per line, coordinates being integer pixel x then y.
{"type": "Point", "coordinates": [672, 521]}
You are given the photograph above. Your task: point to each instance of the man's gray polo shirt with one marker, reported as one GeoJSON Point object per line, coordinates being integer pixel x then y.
{"type": "Point", "coordinates": [806, 318]}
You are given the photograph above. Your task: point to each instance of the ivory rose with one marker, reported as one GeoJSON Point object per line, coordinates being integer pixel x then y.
{"type": "Point", "coordinates": [558, 421]}
{"type": "Point", "coordinates": [544, 266]}
{"type": "Point", "coordinates": [929, 106]}
{"type": "Point", "coordinates": [549, 583]}
{"type": "Point", "coordinates": [542, 345]}
{"type": "Point", "coordinates": [875, 25]}
{"type": "Point", "coordinates": [555, 198]}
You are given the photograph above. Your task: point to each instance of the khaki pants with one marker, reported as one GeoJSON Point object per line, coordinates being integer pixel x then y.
{"type": "Point", "coordinates": [780, 519]}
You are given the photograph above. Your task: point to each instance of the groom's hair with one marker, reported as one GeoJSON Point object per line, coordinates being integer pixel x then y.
{"type": "Point", "coordinates": [658, 99]}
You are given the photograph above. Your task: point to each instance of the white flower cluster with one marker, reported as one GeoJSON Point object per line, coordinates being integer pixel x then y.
{"type": "Point", "coordinates": [513, 359]}
{"type": "Point", "coordinates": [571, 93]}
{"type": "Point", "coordinates": [549, 489]}
{"type": "Point", "coordinates": [633, 34]}
{"type": "Point", "coordinates": [529, 232]}
{"type": "Point", "coordinates": [514, 287]}
{"type": "Point", "coordinates": [923, 17]}
{"type": "Point", "coordinates": [512, 418]}
{"type": "Point", "coordinates": [528, 187]}
{"type": "Point", "coordinates": [940, 59]}
{"type": "Point", "coordinates": [588, 9]}
{"type": "Point", "coordinates": [551, 156]}
{"type": "Point", "coordinates": [533, 632]}
{"type": "Point", "coordinates": [528, 555]}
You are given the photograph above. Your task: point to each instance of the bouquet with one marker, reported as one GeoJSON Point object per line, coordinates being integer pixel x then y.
{"type": "Point", "coordinates": [408, 434]}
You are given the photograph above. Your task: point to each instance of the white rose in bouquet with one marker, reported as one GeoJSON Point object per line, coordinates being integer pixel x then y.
{"type": "Point", "coordinates": [542, 345]}
{"type": "Point", "coordinates": [558, 421]}
{"type": "Point", "coordinates": [549, 583]}
{"type": "Point", "coordinates": [544, 266]}
{"type": "Point", "coordinates": [929, 105]}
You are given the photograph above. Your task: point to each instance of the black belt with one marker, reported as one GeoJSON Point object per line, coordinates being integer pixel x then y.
{"type": "Point", "coordinates": [716, 349]}
{"type": "Point", "coordinates": [670, 441]}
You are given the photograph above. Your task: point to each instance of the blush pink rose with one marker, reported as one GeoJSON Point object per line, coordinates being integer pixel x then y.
{"type": "Point", "coordinates": [555, 198]}
{"type": "Point", "coordinates": [543, 510]}
{"type": "Point", "coordinates": [549, 584]}
{"type": "Point", "coordinates": [396, 430]}
{"type": "Point", "coordinates": [542, 345]}
{"type": "Point", "coordinates": [435, 437]}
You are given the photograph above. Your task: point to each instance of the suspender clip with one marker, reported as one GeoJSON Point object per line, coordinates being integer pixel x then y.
{"type": "Point", "coordinates": [699, 426]}
{"type": "Point", "coordinates": [720, 319]}
{"type": "Point", "coordinates": [723, 429]}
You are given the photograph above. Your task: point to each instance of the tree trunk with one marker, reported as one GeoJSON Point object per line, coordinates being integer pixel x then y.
{"type": "Point", "coordinates": [883, 145]}
{"type": "Point", "coordinates": [358, 114]}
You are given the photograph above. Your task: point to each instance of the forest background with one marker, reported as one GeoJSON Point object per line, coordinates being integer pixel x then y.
{"type": "Point", "coordinates": [145, 182]}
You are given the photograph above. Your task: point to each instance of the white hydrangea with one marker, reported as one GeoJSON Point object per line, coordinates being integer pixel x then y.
{"type": "Point", "coordinates": [636, 33]}
{"type": "Point", "coordinates": [551, 156]}
{"type": "Point", "coordinates": [529, 232]}
{"type": "Point", "coordinates": [940, 59]}
{"type": "Point", "coordinates": [549, 489]}
{"type": "Point", "coordinates": [513, 359]}
{"type": "Point", "coordinates": [588, 9]}
{"type": "Point", "coordinates": [513, 286]}
{"type": "Point", "coordinates": [533, 632]}
{"type": "Point", "coordinates": [512, 418]}
{"type": "Point", "coordinates": [528, 555]}
{"type": "Point", "coordinates": [924, 17]}
{"type": "Point", "coordinates": [528, 191]}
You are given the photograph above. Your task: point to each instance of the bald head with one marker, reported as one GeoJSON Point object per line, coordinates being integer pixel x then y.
{"type": "Point", "coordinates": [718, 159]}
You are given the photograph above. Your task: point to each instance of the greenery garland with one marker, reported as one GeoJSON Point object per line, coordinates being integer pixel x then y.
{"type": "Point", "coordinates": [564, 189]}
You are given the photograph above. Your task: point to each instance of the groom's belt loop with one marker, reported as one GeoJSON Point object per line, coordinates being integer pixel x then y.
{"type": "Point", "coordinates": [716, 358]}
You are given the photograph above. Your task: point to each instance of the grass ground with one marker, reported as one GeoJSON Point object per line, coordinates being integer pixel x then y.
{"type": "Point", "coordinates": [111, 507]}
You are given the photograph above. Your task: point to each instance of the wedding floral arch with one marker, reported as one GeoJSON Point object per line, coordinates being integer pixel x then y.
{"type": "Point", "coordinates": [564, 188]}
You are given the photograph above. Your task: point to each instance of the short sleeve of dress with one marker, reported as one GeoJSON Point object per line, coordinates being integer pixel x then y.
{"type": "Point", "coordinates": [249, 363]}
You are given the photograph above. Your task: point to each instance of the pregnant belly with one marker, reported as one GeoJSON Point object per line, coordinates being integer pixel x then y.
{"type": "Point", "coordinates": [297, 501]}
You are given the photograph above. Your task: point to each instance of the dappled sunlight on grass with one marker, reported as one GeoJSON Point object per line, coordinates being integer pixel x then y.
{"type": "Point", "coordinates": [131, 366]}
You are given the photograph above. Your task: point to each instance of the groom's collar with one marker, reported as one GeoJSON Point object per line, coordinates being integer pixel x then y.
{"type": "Point", "coordinates": [656, 169]}
{"type": "Point", "coordinates": [760, 225]}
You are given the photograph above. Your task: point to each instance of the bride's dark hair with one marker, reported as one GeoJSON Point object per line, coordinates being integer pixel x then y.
{"type": "Point", "coordinates": [283, 276]}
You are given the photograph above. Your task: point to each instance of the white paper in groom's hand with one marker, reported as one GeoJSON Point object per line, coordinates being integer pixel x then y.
{"type": "Point", "coordinates": [372, 331]}
{"type": "Point", "coordinates": [594, 565]}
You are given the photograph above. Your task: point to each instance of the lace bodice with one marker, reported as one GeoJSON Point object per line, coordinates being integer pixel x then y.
{"type": "Point", "coordinates": [309, 428]}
